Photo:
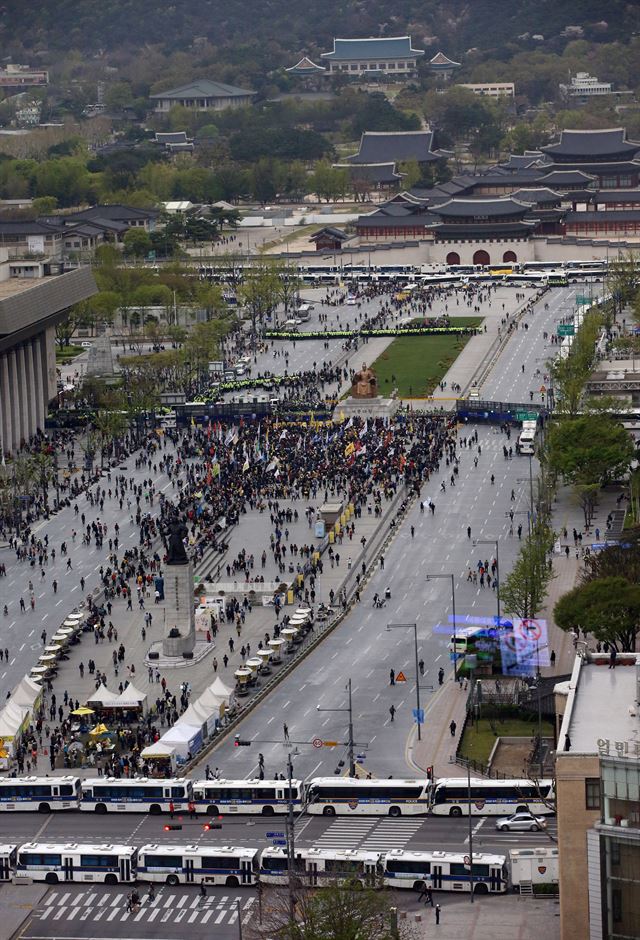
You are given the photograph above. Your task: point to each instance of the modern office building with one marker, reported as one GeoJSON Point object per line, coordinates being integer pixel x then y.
{"type": "Point", "coordinates": [598, 798]}
{"type": "Point", "coordinates": [34, 296]}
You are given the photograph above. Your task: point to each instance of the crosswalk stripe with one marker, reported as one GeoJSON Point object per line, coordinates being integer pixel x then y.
{"type": "Point", "coordinates": [73, 912]}
{"type": "Point", "coordinates": [206, 916]}
{"type": "Point", "coordinates": [220, 917]}
{"type": "Point", "coordinates": [154, 913]}
{"type": "Point", "coordinates": [63, 899]}
{"type": "Point", "coordinates": [61, 909]}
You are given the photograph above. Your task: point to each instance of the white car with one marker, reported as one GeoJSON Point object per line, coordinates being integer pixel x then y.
{"type": "Point", "coordinates": [521, 822]}
{"type": "Point", "coordinates": [86, 344]}
{"type": "Point", "coordinates": [352, 301]}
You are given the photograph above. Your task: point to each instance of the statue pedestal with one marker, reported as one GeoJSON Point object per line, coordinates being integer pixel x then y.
{"type": "Point", "coordinates": [179, 617]}
{"type": "Point", "coordinates": [377, 407]}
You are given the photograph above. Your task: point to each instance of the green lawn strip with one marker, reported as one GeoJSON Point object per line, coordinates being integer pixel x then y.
{"type": "Point", "coordinates": [419, 362]}
{"type": "Point", "coordinates": [67, 353]}
{"type": "Point", "coordinates": [478, 741]}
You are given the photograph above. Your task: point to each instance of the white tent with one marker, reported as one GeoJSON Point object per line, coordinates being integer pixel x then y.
{"type": "Point", "coordinates": [130, 698]}
{"type": "Point", "coordinates": [183, 738]}
{"type": "Point", "coordinates": [160, 751]}
{"type": "Point", "coordinates": [212, 703]}
{"type": "Point", "coordinates": [197, 715]}
{"type": "Point", "coordinates": [27, 692]}
{"type": "Point", "coordinates": [12, 718]}
{"type": "Point", "coordinates": [221, 690]}
{"type": "Point", "coordinates": [102, 696]}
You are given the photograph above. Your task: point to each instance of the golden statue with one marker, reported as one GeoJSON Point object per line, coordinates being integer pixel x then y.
{"type": "Point", "coordinates": [365, 383]}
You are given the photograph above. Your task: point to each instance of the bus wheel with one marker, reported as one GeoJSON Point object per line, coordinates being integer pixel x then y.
{"type": "Point", "coordinates": [232, 882]}
{"type": "Point", "coordinates": [329, 811]}
{"type": "Point", "coordinates": [267, 811]}
{"type": "Point", "coordinates": [51, 878]}
{"type": "Point", "coordinates": [101, 808]}
{"type": "Point", "coordinates": [44, 808]}
{"type": "Point", "coordinates": [395, 811]}
{"type": "Point", "coordinates": [480, 888]}
{"type": "Point", "coordinates": [173, 880]}
{"type": "Point", "coordinates": [212, 811]}
{"type": "Point", "coordinates": [455, 811]}
{"type": "Point", "coordinates": [110, 879]}
{"type": "Point", "coordinates": [155, 809]}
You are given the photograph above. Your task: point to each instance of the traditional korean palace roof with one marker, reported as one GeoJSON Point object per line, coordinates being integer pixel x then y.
{"type": "Point", "coordinates": [441, 62]}
{"type": "Point", "coordinates": [481, 208]}
{"type": "Point", "coordinates": [203, 88]}
{"type": "Point", "coordinates": [392, 47]}
{"type": "Point", "coordinates": [603, 143]}
{"type": "Point", "coordinates": [394, 147]}
{"type": "Point", "coordinates": [306, 67]}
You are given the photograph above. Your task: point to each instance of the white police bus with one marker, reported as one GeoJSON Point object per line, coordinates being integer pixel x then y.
{"type": "Point", "coordinates": [142, 795]}
{"type": "Point", "coordinates": [444, 871]}
{"type": "Point", "coordinates": [194, 864]}
{"type": "Point", "coordinates": [329, 796]}
{"type": "Point", "coordinates": [453, 797]}
{"type": "Point", "coordinates": [43, 794]}
{"type": "Point", "coordinates": [73, 861]}
{"type": "Point", "coordinates": [267, 797]}
{"type": "Point", "coordinates": [316, 868]}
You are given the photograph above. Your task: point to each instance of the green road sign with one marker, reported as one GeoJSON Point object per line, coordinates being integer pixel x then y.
{"type": "Point", "coordinates": [526, 416]}
{"type": "Point", "coordinates": [566, 329]}
{"type": "Point", "coordinates": [582, 301]}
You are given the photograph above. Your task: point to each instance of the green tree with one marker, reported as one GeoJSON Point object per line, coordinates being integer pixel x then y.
{"type": "Point", "coordinates": [570, 374]}
{"type": "Point", "coordinates": [524, 590]}
{"type": "Point", "coordinates": [260, 294]}
{"type": "Point", "coordinates": [342, 911]}
{"type": "Point", "coordinates": [328, 182]}
{"type": "Point", "coordinates": [137, 243]}
{"type": "Point", "coordinates": [607, 608]}
{"type": "Point", "coordinates": [589, 451]}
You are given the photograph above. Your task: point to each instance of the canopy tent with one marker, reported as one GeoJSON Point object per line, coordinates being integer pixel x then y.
{"type": "Point", "coordinates": [13, 717]}
{"type": "Point", "coordinates": [221, 690]}
{"type": "Point", "coordinates": [158, 751]}
{"type": "Point", "coordinates": [131, 698]}
{"type": "Point", "coordinates": [27, 693]}
{"type": "Point", "coordinates": [102, 696]}
{"type": "Point", "coordinates": [212, 703]}
{"type": "Point", "coordinates": [184, 739]}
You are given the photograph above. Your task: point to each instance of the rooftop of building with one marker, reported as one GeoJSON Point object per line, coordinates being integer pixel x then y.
{"type": "Point", "coordinates": [389, 47]}
{"type": "Point", "coordinates": [442, 61]}
{"type": "Point", "coordinates": [203, 88]}
{"type": "Point", "coordinates": [601, 704]}
{"type": "Point", "coordinates": [580, 143]}
{"type": "Point", "coordinates": [481, 208]}
{"type": "Point", "coordinates": [306, 67]}
{"type": "Point", "coordinates": [394, 147]}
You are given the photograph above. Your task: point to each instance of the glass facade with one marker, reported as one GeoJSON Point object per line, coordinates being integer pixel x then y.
{"type": "Point", "coordinates": [620, 848]}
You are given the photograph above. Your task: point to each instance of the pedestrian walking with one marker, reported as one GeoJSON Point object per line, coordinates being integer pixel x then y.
{"type": "Point", "coordinates": [392, 677]}
{"type": "Point", "coordinates": [440, 675]}
{"type": "Point", "coordinates": [437, 913]}
{"type": "Point", "coordinates": [452, 728]}
{"type": "Point", "coordinates": [392, 712]}
{"type": "Point", "coordinates": [285, 731]}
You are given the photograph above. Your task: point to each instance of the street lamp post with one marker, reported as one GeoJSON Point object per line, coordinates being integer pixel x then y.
{"type": "Point", "coordinates": [414, 627]}
{"type": "Point", "coordinates": [493, 542]}
{"type": "Point", "coordinates": [453, 613]}
{"type": "Point", "coordinates": [350, 742]}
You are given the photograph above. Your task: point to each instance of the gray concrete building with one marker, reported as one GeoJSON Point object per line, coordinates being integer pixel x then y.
{"type": "Point", "coordinates": [29, 310]}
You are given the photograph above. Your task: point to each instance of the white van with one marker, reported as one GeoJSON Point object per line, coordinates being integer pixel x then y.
{"type": "Point", "coordinates": [292, 325]}
{"type": "Point", "coordinates": [304, 312]}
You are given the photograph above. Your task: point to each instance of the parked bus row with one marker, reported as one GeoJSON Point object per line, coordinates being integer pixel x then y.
{"type": "Point", "coordinates": [326, 796]}
{"type": "Point", "coordinates": [235, 866]}
{"type": "Point", "coordinates": [536, 272]}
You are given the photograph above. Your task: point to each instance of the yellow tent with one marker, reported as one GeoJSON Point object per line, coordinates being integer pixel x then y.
{"type": "Point", "coordinates": [99, 729]}
{"type": "Point", "coordinates": [83, 710]}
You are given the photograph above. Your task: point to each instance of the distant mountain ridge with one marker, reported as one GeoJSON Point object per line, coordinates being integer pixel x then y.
{"type": "Point", "coordinates": [456, 25]}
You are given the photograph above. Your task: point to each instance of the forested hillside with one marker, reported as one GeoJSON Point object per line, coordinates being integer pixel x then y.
{"type": "Point", "coordinates": [119, 25]}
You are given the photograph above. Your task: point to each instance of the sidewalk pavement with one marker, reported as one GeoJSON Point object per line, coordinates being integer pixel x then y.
{"type": "Point", "coordinates": [504, 915]}
{"type": "Point", "coordinates": [17, 903]}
